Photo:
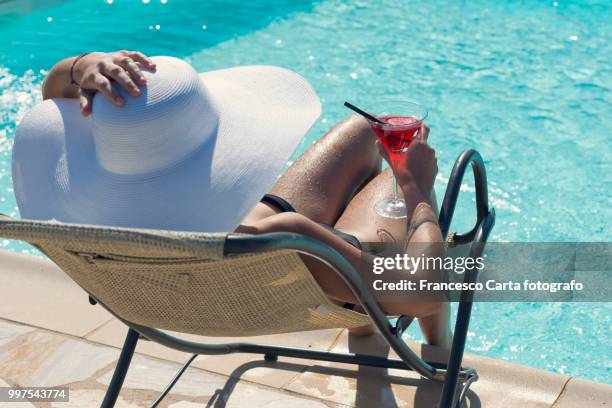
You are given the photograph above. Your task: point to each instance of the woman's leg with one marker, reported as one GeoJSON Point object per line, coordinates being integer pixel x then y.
{"type": "Point", "coordinates": [319, 185]}
{"type": "Point", "coordinates": [361, 220]}
{"type": "Point", "coordinates": [323, 179]}
{"type": "Point", "coordinates": [335, 287]}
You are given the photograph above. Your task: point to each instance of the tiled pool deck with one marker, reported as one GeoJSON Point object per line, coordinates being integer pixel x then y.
{"type": "Point", "coordinates": [51, 336]}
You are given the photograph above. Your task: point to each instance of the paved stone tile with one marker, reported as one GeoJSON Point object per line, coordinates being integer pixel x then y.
{"type": "Point", "coordinates": [9, 331]}
{"type": "Point", "coordinates": [151, 374]}
{"type": "Point", "coordinates": [45, 358]}
{"type": "Point", "coordinates": [36, 292]}
{"type": "Point", "coordinates": [13, 404]}
{"type": "Point", "coordinates": [246, 395]}
{"type": "Point", "coordinates": [580, 393]}
{"type": "Point", "coordinates": [88, 398]}
{"type": "Point", "coordinates": [48, 359]}
{"type": "Point", "coordinates": [363, 387]}
{"type": "Point", "coordinates": [248, 366]}
{"type": "Point", "coordinates": [243, 395]}
{"type": "Point", "coordinates": [500, 385]}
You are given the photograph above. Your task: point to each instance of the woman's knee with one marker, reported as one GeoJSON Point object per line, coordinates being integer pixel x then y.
{"type": "Point", "coordinates": [358, 121]}
{"type": "Point", "coordinates": [354, 140]}
{"type": "Point", "coordinates": [360, 130]}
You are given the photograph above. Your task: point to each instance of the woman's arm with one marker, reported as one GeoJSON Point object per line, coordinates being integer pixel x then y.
{"type": "Point", "coordinates": [58, 84]}
{"type": "Point", "coordinates": [97, 72]}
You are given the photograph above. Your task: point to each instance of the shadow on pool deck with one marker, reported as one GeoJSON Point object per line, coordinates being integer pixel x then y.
{"type": "Point", "coordinates": [372, 385]}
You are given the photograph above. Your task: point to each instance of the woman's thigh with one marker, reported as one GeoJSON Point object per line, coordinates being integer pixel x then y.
{"type": "Point", "coordinates": [360, 219]}
{"type": "Point", "coordinates": [322, 180]}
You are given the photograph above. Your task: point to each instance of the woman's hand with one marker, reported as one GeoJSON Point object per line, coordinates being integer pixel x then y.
{"type": "Point", "coordinates": [416, 168]}
{"type": "Point", "coordinates": [103, 72]}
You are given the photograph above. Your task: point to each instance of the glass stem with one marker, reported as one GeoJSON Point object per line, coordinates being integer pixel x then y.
{"type": "Point", "coordinates": [394, 189]}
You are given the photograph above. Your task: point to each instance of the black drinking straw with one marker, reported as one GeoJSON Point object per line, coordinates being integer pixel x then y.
{"type": "Point", "coordinates": [363, 113]}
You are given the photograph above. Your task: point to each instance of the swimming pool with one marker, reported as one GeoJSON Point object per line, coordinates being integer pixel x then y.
{"type": "Point", "coordinates": [526, 83]}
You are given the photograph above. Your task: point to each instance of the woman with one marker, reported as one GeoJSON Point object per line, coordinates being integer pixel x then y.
{"type": "Point", "coordinates": [334, 183]}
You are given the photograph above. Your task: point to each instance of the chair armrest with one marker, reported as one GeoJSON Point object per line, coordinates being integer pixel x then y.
{"type": "Point", "coordinates": [447, 210]}
{"type": "Point", "coordinates": [478, 235]}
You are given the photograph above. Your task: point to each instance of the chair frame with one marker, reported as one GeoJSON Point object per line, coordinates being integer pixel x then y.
{"type": "Point", "coordinates": [452, 373]}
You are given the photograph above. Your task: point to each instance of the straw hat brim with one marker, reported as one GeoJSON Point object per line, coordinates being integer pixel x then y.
{"type": "Point", "coordinates": [264, 113]}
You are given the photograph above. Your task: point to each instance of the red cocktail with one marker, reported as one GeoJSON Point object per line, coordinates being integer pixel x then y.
{"type": "Point", "coordinates": [397, 132]}
{"type": "Point", "coordinates": [401, 124]}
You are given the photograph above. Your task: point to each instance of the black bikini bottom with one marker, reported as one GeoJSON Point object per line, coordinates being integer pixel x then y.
{"type": "Point", "coordinates": [284, 206]}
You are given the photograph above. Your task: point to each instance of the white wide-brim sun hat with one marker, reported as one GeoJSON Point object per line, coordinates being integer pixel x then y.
{"type": "Point", "coordinates": [192, 152]}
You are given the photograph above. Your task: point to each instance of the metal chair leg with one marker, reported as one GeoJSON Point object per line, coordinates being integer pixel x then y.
{"type": "Point", "coordinates": [121, 369]}
{"type": "Point", "coordinates": [174, 380]}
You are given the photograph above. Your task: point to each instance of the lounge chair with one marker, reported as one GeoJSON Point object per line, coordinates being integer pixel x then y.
{"type": "Point", "coordinates": [243, 285]}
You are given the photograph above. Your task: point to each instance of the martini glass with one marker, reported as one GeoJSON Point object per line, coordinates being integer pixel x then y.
{"type": "Point", "coordinates": [401, 124]}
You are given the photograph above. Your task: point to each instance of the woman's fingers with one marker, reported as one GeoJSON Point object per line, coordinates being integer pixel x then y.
{"type": "Point", "coordinates": [104, 86]}
{"type": "Point", "coordinates": [121, 76]}
{"type": "Point", "coordinates": [85, 101]}
{"type": "Point", "coordinates": [140, 57]}
{"type": "Point", "coordinates": [102, 70]}
{"type": "Point", "coordinates": [424, 133]}
{"type": "Point", "coordinates": [133, 69]}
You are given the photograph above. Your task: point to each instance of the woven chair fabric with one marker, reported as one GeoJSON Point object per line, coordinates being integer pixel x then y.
{"type": "Point", "coordinates": [182, 281]}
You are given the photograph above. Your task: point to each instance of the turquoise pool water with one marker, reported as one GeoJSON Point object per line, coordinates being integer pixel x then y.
{"type": "Point", "coordinates": [527, 83]}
